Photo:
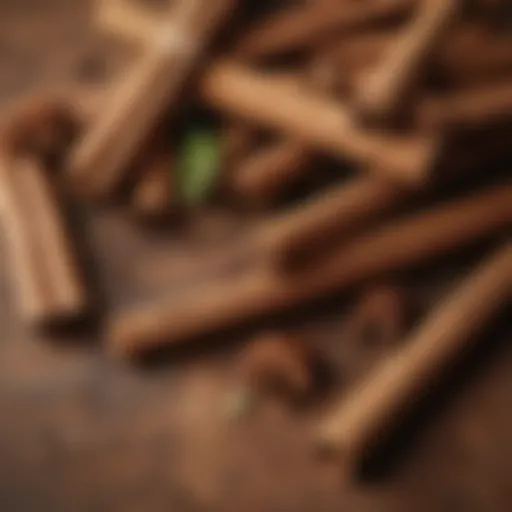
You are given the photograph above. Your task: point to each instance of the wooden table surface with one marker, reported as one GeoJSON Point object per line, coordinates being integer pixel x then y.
{"type": "Point", "coordinates": [79, 432]}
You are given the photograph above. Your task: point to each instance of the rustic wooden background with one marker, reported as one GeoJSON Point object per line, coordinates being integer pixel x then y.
{"type": "Point", "coordinates": [83, 433]}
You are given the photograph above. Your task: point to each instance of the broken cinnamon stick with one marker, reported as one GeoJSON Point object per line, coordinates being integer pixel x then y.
{"type": "Point", "coordinates": [33, 303]}
{"type": "Point", "coordinates": [467, 109]}
{"type": "Point", "coordinates": [382, 315]}
{"type": "Point", "coordinates": [49, 283]}
{"type": "Point", "coordinates": [101, 159]}
{"type": "Point", "coordinates": [383, 89]}
{"type": "Point", "coordinates": [378, 403]}
{"type": "Point", "coordinates": [296, 236]}
{"type": "Point", "coordinates": [398, 245]}
{"type": "Point", "coordinates": [42, 125]}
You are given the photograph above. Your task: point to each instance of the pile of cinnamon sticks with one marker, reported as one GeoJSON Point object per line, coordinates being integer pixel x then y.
{"type": "Point", "coordinates": [405, 97]}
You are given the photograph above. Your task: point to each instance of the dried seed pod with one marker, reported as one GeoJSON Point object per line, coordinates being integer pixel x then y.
{"type": "Point", "coordinates": [382, 315]}
{"type": "Point", "coordinates": [282, 363]}
{"type": "Point", "coordinates": [41, 126]}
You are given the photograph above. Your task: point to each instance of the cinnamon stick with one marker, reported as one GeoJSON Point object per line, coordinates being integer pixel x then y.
{"type": "Point", "coordinates": [398, 245]}
{"type": "Point", "coordinates": [126, 20]}
{"type": "Point", "coordinates": [470, 55]}
{"type": "Point", "coordinates": [49, 282]}
{"type": "Point", "coordinates": [32, 300]}
{"type": "Point", "coordinates": [272, 171]}
{"type": "Point", "coordinates": [301, 27]}
{"type": "Point", "coordinates": [316, 120]}
{"type": "Point", "coordinates": [354, 427]}
{"type": "Point", "coordinates": [467, 109]}
{"type": "Point", "coordinates": [155, 84]}
{"type": "Point", "coordinates": [295, 237]}
{"type": "Point", "coordinates": [383, 89]}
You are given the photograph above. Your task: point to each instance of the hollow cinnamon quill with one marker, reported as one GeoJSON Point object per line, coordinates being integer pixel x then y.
{"type": "Point", "coordinates": [298, 235]}
{"type": "Point", "coordinates": [353, 428]}
{"type": "Point", "coordinates": [302, 26]}
{"type": "Point", "coordinates": [153, 86]}
{"type": "Point", "coordinates": [50, 284]}
{"type": "Point", "coordinates": [316, 120]}
{"type": "Point", "coordinates": [222, 304]}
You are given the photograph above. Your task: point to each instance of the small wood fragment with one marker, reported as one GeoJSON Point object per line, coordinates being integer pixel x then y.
{"type": "Point", "coordinates": [42, 126]}
{"type": "Point", "coordinates": [278, 362]}
{"type": "Point", "coordinates": [382, 315]}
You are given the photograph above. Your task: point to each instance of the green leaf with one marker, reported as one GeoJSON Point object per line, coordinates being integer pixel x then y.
{"type": "Point", "coordinates": [199, 164]}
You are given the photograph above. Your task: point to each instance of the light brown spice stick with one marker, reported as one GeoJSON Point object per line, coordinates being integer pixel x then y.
{"type": "Point", "coordinates": [154, 85]}
{"type": "Point", "coordinates": [319, 121]}
{"type": "Point", "coordinates": [396, 246]}
{"type": "Point", "coordinates": [126, 20]}
{"type": "Point", "coordinates": [296, 236]}
{"type": "Point", "coordinates": [467, 109]}
{"type": "Point", "coordinates": [55, 247]}
{"type": "Point", "coordinates": [383, 89]}
{"type": "Point", "coordinates": [272, 171]}
{"type": "Point", "coordinates": [31, 297]}
{"type": "Point", "coordinates": [369, 411]}
{"type": "Point", "coordinates": [470, 55]}
{"type": "Point", "coordinates": [297, 28]}
{"type": "Point", "coordinates": [264, 175]}
{"type": "Point", "coordinates": [49, 282]}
